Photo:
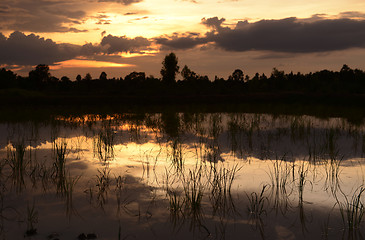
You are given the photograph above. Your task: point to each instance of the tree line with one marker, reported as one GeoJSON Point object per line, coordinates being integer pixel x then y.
{"type": "Point", "coordinates": [344, 81]}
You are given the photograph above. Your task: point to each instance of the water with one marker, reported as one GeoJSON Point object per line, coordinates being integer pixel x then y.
{"type": "Point", "coordinates": [182, 176]}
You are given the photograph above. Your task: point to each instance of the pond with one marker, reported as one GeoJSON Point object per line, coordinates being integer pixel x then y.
{"type": "Point", "coordinates": [182, 176]}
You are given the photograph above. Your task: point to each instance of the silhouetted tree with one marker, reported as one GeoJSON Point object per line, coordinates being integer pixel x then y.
{"type": "Point", "coordinates": [7, 78]}
{"type": "Point", "coordinates": [40, 75]}
{"type": "Point", "coordinates": [237, 75]}
{"type": "Point", "coordinates": [135, 77]}
{"type": "Point", "coordinates": [88, 77]}
{"type": "Point", "coordinates": [78, 78]}
{"type": "Point", "coordinates": [65, 79]}
{"type": "Point", "coordinates": [169, 68]}
{"type": "Point", "coordinates": [103, 76]}
{"type": "Point", "coordinates": [65, 83]}
{"type": "Point", "coordinates": [187, 74]}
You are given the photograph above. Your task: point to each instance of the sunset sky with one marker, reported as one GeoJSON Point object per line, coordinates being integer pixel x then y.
{"type": "Point", "coordinates": [212, 37]}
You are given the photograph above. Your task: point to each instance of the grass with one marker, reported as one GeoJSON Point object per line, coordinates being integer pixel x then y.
{"type": "Point", "coordinates": [176, 202]}
{"type": "Point", "coordinates": [352, 211]}
{"type": "Point", "coordinates": [104, 144]}
{"type": "Point", "coordinates": [102, 183]}
{"type": "Point", "coordinates": [32, 218]}
{"type": "Point", "coordinates": [256, 208]}
{"type": "Point", "coordinates": [17, 162]}
{"type": "Point", "coordinates": [333, 170]}
{"type": "Point", "coordinates": [221, 180]}
{"type": "Point", "coordinates": [193, 190]}
{"type": "Point", "coordinates": [60, 161]}
{"type": "Point", "coordinates": [258, 203]}
{"type": "Point", "coordinates": [280, 180]}
{"type": "Point", "coordinates": [59, 166]}
{"type": "Point", "coordinates": [177, 155]}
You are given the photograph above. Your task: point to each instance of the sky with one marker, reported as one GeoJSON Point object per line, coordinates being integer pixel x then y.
{"type": "Point", "coordinates": [211, 37]}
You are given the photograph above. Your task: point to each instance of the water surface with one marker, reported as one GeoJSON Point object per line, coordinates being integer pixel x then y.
{"type": "Point", "coordinates": [182, 176]}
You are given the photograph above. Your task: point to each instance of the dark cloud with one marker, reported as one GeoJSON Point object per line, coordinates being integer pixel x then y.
{"type": "Point", "coordinates": [214, 22]}
{"type": "Point", "coordinates": [353, 15]}
{"type": "Point", "coordinates": [289, 35]}
{"type": "Point", "coordinates": [292, 35]}
{"type": "Point", "coordinates": [40, 16]}
{"type": "Point", "coordinates": [22, 49]}
{"type": "Point", "coordinates": [123, 44]}
{"type": "Point", "coordinates": [124, 2]}
{"type": "Point", "coordinates": [130, 13]}
{"type": "Point", "coordinates": [178, 42]}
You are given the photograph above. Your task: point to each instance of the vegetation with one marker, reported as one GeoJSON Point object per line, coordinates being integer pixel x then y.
{"type": "Point", "coordinates": [344, 86]}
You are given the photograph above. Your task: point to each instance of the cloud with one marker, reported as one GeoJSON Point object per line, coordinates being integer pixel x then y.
{"type": "Point", "coordinates": [123, 44]}
{"type": "Point", "coordinates": [22, 49]}
{"type": "Point", "coordinates": [124, 2]}
{"type": "Point", "coordinates": [214, 22]}
{"type": "Point", "coordinates": [289, 35]}
{"type": "Point", "coordinates": [181, 42]}
{"type": "Point", "coordinates": [292, 35]}
{"type": "Point", "coordinates": [42, 16]}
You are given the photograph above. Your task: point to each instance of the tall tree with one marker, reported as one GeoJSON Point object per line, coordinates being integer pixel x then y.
{"type": "Point", "coordinates": [169, 68]}
{"type": "Point", "coordinates": [40, 75]}
{"type": "Point", "coordinates": [103, 76]}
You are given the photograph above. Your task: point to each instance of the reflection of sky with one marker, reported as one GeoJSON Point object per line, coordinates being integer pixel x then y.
{"type": "Point", "coordinates": [142, 156]}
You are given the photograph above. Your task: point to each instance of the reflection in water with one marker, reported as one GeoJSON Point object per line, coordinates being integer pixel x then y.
{"type": "Point", "coordinates": [182, 175]}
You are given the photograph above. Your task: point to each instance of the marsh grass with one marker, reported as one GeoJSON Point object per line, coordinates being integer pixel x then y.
{"type": "Point", "coordinates": [177, 155]}
{"type": "Point", "coordinates": [303, 170]}
{"type": "Point", "coordinates": [103, 181]}
{"type": "Point", "coordinates": [32, 219]}
{"type": "Point", "coordinates": [60, 161]}
{"type": "Point", "coordinates": [193, 190]}
{"type": "Point", "coordinates": [333, 171]}
{"type": "Point", "coordinates": [59, 166]}
{"type": "Point", "coordinates": [70, 183]}
{"type": "Point", "coordinates": [257, 203]}
{"type": "Point", "coordinates": [352, 211]}
{"type": "Point", "coordinates": [39, 172]}
{"type": "Point", "coordinates": [257, 207]}
{"type": "Point", "coordinates": [176, 202]}
{"type": "Point", "coordinates": [281, 184]}
{"type": "Point", "coordinates": [104, 144]}
{"type": "Point", "coordinates": [220, 184]}
{"type": "Point", "coordinates": [18, 164]}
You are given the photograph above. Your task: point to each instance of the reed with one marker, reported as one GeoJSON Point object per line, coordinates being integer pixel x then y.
{"type": "Point", "coordinates": [104, 144]}
{"type": "Point", "coordinates": [257, 203]}
{"type": "Point", "coordinates": [352, 211]}
{"type": "Point", "coordinates": [102, 183]}
{"type": "Point", "coordinates": [18, 164]}
{"type": "Point", "coordinates": [193, 190]}
{"type": "Point", "coordinates": [220, 183]}
{"type": "Point", "coordinates": [32, 219]}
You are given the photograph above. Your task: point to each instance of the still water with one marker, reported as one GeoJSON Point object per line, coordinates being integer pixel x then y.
{"type": "Point", "coordinates": [182, 176]}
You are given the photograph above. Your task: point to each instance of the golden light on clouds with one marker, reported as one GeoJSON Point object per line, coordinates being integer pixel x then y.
{"type": "Point", "coordinates": [79, 63]}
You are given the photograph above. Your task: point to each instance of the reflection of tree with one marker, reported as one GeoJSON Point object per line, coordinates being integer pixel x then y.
{"type": "Point", "coordinates": [170, 123]}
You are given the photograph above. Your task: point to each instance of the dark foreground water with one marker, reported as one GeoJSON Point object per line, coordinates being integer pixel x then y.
{"type": "Point", "coordinates": [182, 176]}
